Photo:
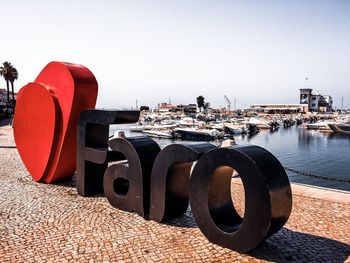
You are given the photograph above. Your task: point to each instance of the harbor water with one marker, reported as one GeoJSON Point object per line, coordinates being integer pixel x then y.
{"type": "Point", "coordinates": [310, 154]}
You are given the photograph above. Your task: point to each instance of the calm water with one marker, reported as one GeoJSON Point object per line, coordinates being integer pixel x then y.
{"type": "Point", "coordinates": [318, 153]}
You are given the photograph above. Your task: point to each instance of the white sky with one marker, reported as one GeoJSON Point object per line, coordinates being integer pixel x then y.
{"type": "Point", "coordinates": [254, 51]}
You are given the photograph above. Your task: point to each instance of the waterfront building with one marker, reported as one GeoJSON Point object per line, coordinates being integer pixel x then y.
{"type": "Point", "coordinates": [185, 108]}
{"type": "Point", "coordinates": [276, 108]}
{"type": "Point", "coordinates": [313, 101]}
{"type": "Point", "coordinates": [310, 101]}
{"type": "Point", "coordinates": [166, 107]}
{"type": "Point", "coordinates": [3, 95]}
{"type": "Point", "coordinates": [3, 104]}
{"type": "Point", "coordinates": [189, 108]}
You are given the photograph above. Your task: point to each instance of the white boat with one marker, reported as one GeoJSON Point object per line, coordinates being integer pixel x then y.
{"type": "Point", "coordinates": [318, 126]}
{"type": "Point", "coordinates": [144, 127]}
{"type": "Point", "coordinates": [260, 123]}
{"type": "Point", "coordinates": [161, 127]}
{"type": "Point", "coordinates": [187, 121]}
{"type": "Point", "coordinates": [218, 126]}
{"type": "Point", "coordinates": [166, 134]}
{"type": "Point", "coordinates": [197, 134]}
{"type": "Point", "coordinates": [235, 128]}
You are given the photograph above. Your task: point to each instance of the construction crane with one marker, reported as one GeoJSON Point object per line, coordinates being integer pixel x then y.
{"type": "Point", "coordinates": [228, 103]}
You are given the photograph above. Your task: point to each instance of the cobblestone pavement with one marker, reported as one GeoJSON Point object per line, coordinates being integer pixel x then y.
{"type": "Point", "coordinates": [52, 223]}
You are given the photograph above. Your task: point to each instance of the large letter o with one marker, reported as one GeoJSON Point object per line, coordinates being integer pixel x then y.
{"type": "Point", "coordinates": [268, 197]}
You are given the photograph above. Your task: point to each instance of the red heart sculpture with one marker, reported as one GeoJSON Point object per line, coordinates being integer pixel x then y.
{"type": "Point", "coordinates": [46, 118]}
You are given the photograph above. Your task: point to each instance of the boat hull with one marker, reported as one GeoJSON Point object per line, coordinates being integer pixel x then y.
{"type": "Point", "coordinates": [194, 136]}
{"type": "Point", "coordinates": [342, 128]}
{"type": "Point", "coordinates": [158, 134]}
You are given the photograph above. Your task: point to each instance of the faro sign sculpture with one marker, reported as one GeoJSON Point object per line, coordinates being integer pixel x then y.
{"type": "Point", "coordinates": [57, 131]}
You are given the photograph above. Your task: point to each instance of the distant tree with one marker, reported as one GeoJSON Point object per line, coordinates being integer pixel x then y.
{"type": "Point", "coordinates": [2, 74]}
{"type": "Point", "coordinates": [6, 74]}
{"type": "Point", "coordinates": [200, 102]}
{"type": "Point", "coordinates": [10, 74]}
{"type": "Point", "coordinates": [13, 78]}
{"type": "Point", "coordinates": [146, 108]}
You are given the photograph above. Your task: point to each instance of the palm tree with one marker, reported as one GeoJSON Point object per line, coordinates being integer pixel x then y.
{"type": "Point", "coordinates": [13, 78]}
{"type": "Point", "coordinates": [200, 102]}
{"type": "Point", "coordinates": [2, 72]}
{"type": "Point", "coordinates": [6, 73]}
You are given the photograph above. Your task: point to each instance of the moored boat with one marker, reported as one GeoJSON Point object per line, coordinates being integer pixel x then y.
{"type": "Point", "coordinates": [318, 126]}
{"type": "Point", "coordinates": [137, 128]}
{"type": "Point", "coordinates": [144, 127]}
{"type": "Point", "coordinates": [193, 134]}
{"type": "Point", "coordinates": [260, 123]}
{"type": "Point", "coordinates": [340, 127]}
{"type": "Point", "coordinates": [187, 121]}
{"type": "Point", "coordinates": [165, 134]}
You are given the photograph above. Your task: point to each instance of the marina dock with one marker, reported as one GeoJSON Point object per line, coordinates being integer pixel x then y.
{"type": "Point", "coordinates": [52, 223]}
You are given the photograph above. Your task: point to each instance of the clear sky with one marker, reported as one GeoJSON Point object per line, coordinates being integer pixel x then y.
{"type": "Point", "coordinates": [150, 51]}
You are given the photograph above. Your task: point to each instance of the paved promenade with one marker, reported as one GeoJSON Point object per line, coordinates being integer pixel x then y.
{"type": "Point", "coordinates": [52, 223]}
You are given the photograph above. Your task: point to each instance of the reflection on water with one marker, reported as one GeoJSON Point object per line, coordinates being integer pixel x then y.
{"type": "Point", "coordinates": [319, 153]}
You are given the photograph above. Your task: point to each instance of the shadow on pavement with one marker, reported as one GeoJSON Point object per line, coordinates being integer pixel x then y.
{"type": "Point", "coordinates": [185, 220]}
{"type": "Point", "coordinates": [71, 183]}
{"type": "Point", "coordinates": [288, 245]}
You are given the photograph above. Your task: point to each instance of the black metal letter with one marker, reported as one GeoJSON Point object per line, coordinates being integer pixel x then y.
{"type": "Point", "coordinates": [170, 179]}
{"type": "Point", "coordinates": [127, 186]}
{"type": "Point", "coordinates": [92, 147]}
{"type": "Point", "coordinates": [268, 197]}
